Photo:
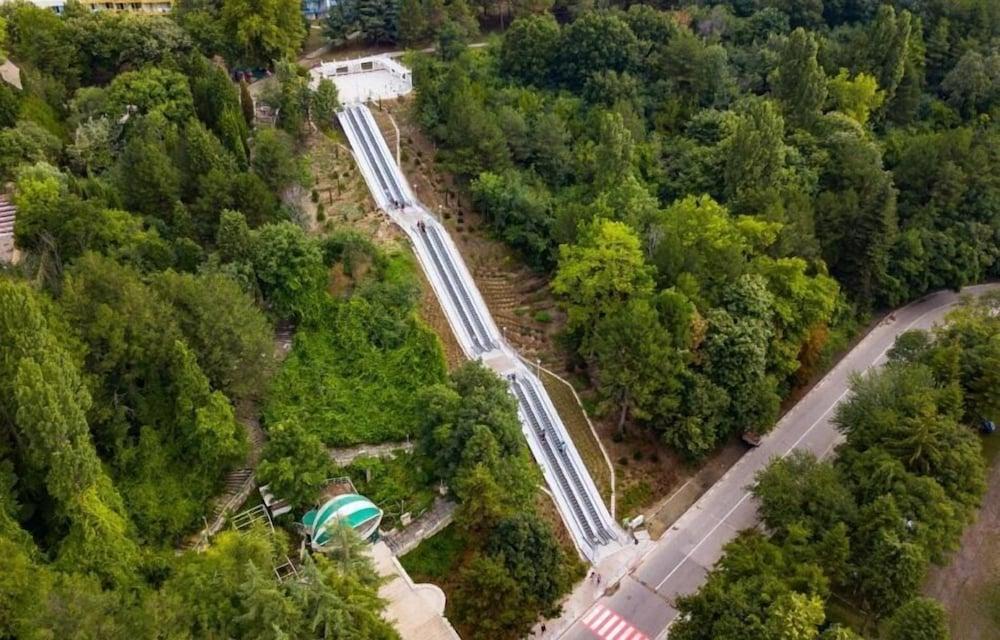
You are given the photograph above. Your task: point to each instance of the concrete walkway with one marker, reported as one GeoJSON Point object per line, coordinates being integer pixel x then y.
{"type": "Point", "coordinates": [347, 455]}
{"type": "Point", "coordinates": [415, 610]}
{"type": "Point", "coordinates": [439, 516]}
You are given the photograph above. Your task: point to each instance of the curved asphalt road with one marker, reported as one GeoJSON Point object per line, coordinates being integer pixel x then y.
{"type": "Point", "coordinates": [677, 564]}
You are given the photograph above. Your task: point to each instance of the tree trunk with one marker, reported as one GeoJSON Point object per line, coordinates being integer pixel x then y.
{"type": "Point", "coordinates": [623, 415]}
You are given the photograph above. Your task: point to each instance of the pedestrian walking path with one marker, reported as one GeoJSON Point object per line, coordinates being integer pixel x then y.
{"type": "Point", "coordinates": [439, 516]}
{"type": "Point", "coordinates": [594, 531]}
{"type": "Point", "coordinates": [345, 456]}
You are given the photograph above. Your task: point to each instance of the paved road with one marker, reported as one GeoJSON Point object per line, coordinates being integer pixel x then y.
{"type": "Point", "coordinates": [678, 563]}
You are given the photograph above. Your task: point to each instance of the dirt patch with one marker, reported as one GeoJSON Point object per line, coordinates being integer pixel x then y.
{"type": "Point", "coordinates": [339, 195]}
{"type": "Point", "coordinates": [969, 585]}
{"type": "Point", "coordinates": [665, 511]}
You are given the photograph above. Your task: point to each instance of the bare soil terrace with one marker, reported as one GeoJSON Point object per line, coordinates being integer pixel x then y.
{"type": "Point", "coordinates": [969, 585]}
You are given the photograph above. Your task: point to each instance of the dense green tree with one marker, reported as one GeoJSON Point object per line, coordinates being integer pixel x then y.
{"type": "Point", "coordinates": [918, 619]}
{"type": "Point", "coordinates": [247, 103]}
{"type": "Point", "coordinates": [737, 351]}
{"type": "Point", "coordinates": [291, 98]}
{"type": "Point", "coordinates": [886, 48]}
{"type": "Point", "coordinates": [804, 13]}
{"type": "Point", "coordinates": [45, 401]}
{"type": "Point", "coordinates": [294, 464]}
{"type": "Point", "coordinates": [528, 49]}
{"type": "Point", "coordinates": [274, 160]}
{"type": "Point", "coordinates": [259, 32]}
{"type": "Point", "coordinates": [146, 175]}
{"type": "Point", "coordinates": [376, 21]}
{"type": "Point", "coordinates": [891, 574]}
{"type": "Point", "coordinates": [451, 40]}
{"type": "Point", "coordinates": [855, 209]}
{"type": "Point", "coordinates": [489, 601]}
{"type": "Point", "coordinates": [290, 270]}
{"type": "Point", "coordinates": [532, 556]}
{"type": "Point", "coordinates": [151, 91]}
{"type": "Point", "coordinates": [595, 42]}
{"type": "Point", "coordinates": [946, 237]}
{"type": "Point", "coordinates": [26, 143]}
{"type": "Point", "coordinates": [477, 407]}
{"type": "Point", "coordinates": [39, 37]}
{"type": "Point", "coordinates": [798, 82]}
{"type": "Point", "coordinates": [755, 153]}
{"type": "Point", "coordinates": [757, 590]}
{"type": "Point", "coordinates": [915, 423]}
{"type": "Point", "coordinates": [414, 22]}
{"type": "Point", "coordinates": [520, 213]}
{"type": "Point", "coordinates": [112, 42]}
{"type": "Point", "coordinates": [697, 73]}
{"type": "Point", "coordinates": [637, 370]}
{"type": "Point", "coordinates": [154, 404]}
{"type": "Point", "coordinates": [325, 103]}
{"type": "Point", "coordinates": [971, 86]}
{"type": "Point", "coordinates": [229, 335]}
{"type": "Point", "coordinates": [604, 271]}
{"type": "Point", "coordinates": [856, 97]}
{"type": "Point", "coordinates": [799, 490]}
{"type": "Point", "coordinates": [10, 104]}
{"type": "Point", "coordinates": [214, 95]}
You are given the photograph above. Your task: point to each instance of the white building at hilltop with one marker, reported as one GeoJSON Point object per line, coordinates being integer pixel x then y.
{"type": "Point", "coordinates": [365, 79]}
{"type": "Point", "coordinates": [138, 6]}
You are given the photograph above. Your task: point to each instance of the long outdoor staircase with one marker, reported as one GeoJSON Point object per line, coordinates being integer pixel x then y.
{"type": "Point", "coordinates": [587, 518]}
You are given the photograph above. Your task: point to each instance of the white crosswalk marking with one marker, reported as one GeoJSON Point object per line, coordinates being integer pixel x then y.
{"type": "Point", "coordinates": [616, 630]}
{"type": "Point", "coordinates": [604, 614]}
{"type": "Point", "coordinates": [607, 624]}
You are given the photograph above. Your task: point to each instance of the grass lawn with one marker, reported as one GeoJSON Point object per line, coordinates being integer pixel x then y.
{"type": "Point", "coordinates": [437, 558]}
{"type": "Point", "coordinates": [991, 448]}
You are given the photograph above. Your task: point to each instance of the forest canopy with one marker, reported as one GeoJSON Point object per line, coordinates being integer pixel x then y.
{"type": "Point", "coordinates": [721, 190]}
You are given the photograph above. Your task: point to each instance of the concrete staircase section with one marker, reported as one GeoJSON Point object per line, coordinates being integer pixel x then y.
{"type": "Point", "coordinates": [7, 214]}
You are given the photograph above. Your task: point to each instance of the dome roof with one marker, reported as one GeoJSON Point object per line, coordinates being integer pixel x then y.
{"type": "Point", "coordinates": [356, 511]}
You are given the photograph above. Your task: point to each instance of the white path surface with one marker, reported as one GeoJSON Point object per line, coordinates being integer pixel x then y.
{"type": "Point", "coordinates": [593, 530]}
{"type": "Point", "coordinates": [678, 563]}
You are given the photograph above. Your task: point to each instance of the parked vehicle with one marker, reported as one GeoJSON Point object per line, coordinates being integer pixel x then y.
{"type": "Point", "coordinates": [752, 438]}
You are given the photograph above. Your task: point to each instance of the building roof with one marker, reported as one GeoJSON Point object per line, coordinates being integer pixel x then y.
{"type": "Point", "coordinates": [352, 509]}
